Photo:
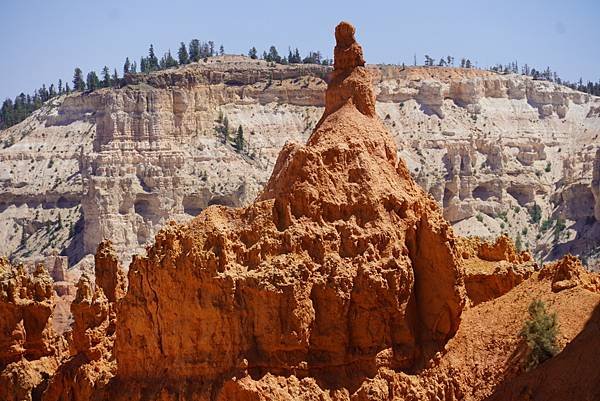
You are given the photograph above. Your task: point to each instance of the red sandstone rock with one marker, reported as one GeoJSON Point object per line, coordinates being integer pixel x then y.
{"type": "Point", "coordinates": [26, 303]}
{"type": "Point", "coordinates": [29, 349]}
{"type": "Point", "coordinates": [341, 258]}
{"type": "Point", "coordinates": [109, 273]}
{"type": "Point", "coordinates": [567, 273]}
{"type": "Point", "coordinates": [493, 269]}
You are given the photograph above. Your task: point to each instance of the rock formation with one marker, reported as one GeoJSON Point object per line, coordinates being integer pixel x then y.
{"type": "Point", "coordinates": [26, 304]}
{"type": "Point", "coordinates": [341, 281]}
{"type": "Point", "coordinates": [119, 163]}
{"type": "Point", "coordinates": [29, 349]}
{"type": "Point", "coordinates": [596, 185]}
{"type": "Point", "coordinates": [342, 265]}
{"type": "Point", "coordinates": [109, 274]}
{"type": "Point", "coordinates": [493, 269]}
{"type": "Point", "coordinates": [91, 363]}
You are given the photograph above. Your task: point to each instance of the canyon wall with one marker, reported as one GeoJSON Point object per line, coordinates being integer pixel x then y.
{"type": "Point", "coordinates": [341, 281]}
{"type": "Point", "coordinates": [493, 150]}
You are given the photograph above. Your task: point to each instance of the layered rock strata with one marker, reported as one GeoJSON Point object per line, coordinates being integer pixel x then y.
{"type": "Point", "coordinates": [119, 163]}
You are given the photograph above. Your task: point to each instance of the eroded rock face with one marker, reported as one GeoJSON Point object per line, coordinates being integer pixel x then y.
{"type": "Point", "coordinates": [26, 303]}
{"type": "Point", "coordinates": [29, 349]}
{"type": "Point", "coordinates": [342, 281]}
{"type": "Point", "coordinates": [567, 273]}
{"type": "Point", "coordinates": [341, 266]}
{"type": "Point", "coordinates": [91, 363]}
{"type": "Point", "coordinates": [493, 268]}
{"type": "Point", "coordinates": [596, 185]}
{"type": "Point", "coordinates": [109, 274]}
{"type": "Point", "coordinates": [484, 145]}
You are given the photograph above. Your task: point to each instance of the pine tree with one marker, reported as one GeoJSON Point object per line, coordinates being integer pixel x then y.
{"type": "Point", "coordinates": [115, 78]}
{"type": "Point", "coordinates": [468, 63]}
{"type": "Point", "coordinates": [239, 139]}
{"type": "Point", "coordinates": [152, 60]}
{"type": "Point", "coordinates": [60, 87]}
{"type": "Point", "coordinates": [45, 93]}
{"type": "Point", "coordinates": [182, 55]}
{"type": "Point", "coordinates": [540, 334]}
{"type": "Point", "coordinates": [252, 53]}
{"type": "Point", "coordinates": [194, 50]}
{"type": "Point", "coordinates": [92, 81]}
{"type": "Point", "coordinates": [134, 67]}
{"type": "Point", "coordinates": [143, 64]}
{"type": "Point", "coordinates": [67, 88]}
{"type": "Point", "coordinates": [51, 91]}
{"type": "Point", "coordinates": [105, 77]}
{"type": "Point", "coordinates": [126, 66]}
{"type": "Point", "coordinates": [225, 130]}
{"type": "Point", "coordinates": [168, 61]}
{"type": "Point", "coordinates": [273, 55]}
{"type": "Point", "coordinates": [211, 46]}
{"type": "Point", "coordinates": [221, 50]}
{"type": "Point", "coordinates": [78, 84]}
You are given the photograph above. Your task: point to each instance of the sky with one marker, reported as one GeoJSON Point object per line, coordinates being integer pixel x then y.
{"type": "Point", "coordinates": [43, 40]}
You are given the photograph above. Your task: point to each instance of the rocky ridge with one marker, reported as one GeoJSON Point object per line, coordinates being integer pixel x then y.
{"type": "Point", "coordinates": [119, 163]}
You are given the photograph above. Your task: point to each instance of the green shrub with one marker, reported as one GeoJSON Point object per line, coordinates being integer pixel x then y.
{"type": "Point", "coordinates": [539, 331]}
{"type": "Point", "coordinates": [559, 228]}
{"type": "Point", "coordinates": [535, 213]}
{"type": "Point", "coordinates": [479, 217]}
{"type": "Point", "coordinates": [546, 224]}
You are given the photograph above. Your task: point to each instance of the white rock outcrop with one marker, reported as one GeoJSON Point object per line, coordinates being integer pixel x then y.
{"type": "Point", "coordinates": [119, 163]}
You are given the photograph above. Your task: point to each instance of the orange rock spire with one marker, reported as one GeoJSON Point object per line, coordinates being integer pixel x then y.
{"type": "Point", "coordinates": [342, 258]}
{"type": "Point", "coordinates": [350, 81]}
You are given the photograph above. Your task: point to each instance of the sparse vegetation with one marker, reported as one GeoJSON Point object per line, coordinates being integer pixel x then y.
{"type": "Point", "coordinates": [546, 224]}
{"type": "Point", "coordinates": [539, 331]}
{"type": "Point", "coordinates": [239, 139]}
{"type": "Point", "coordinates": [519, 243]}
{"type": "Point", "coordinates": [559, 227]}
{"type": "Point", "coordinates": [535, 213]}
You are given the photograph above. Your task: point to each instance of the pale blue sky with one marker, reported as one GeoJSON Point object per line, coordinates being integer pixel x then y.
{"type": "Point", "coordinates": [44, 40]}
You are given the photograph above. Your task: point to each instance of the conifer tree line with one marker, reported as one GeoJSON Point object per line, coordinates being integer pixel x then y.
{"type": "Point", "coordinates": [293, 57]}
{"type": "Point", "coordinates": [14, 111]}
{"type": "Point", "coordinates": [592, 88]}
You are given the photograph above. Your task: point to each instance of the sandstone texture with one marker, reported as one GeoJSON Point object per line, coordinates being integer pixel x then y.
{"type": "Point", "coordinates": [27, 302]}
{"type": "Point", "coordinates": [29, 348]}
{"type": "Point", "coordinates": [341, 281]}
{"type": "Point", "coordinates": [118, 164]}
{"type": "Point", "coordinates": [342, 265]}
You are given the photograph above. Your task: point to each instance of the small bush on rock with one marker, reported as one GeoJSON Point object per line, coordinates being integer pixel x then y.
{"type": "Point", "coordinates": [540, 331]}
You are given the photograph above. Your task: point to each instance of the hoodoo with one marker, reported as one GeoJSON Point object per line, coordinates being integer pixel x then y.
{"type": "Point", "coordinates": [341, 266]}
